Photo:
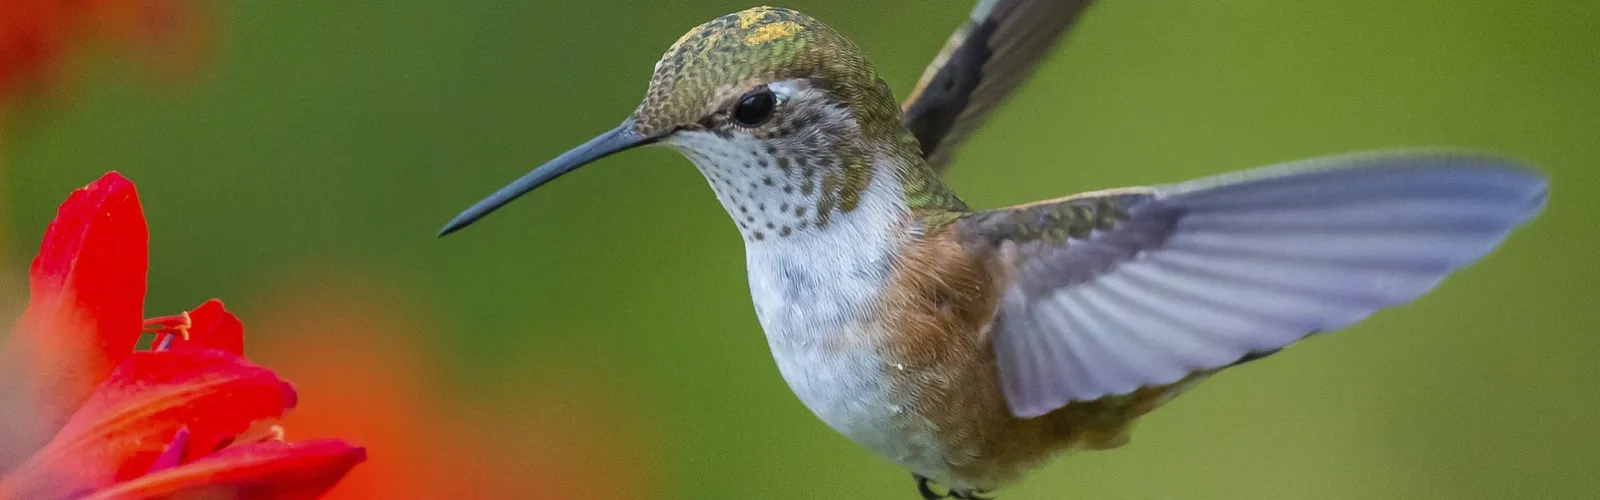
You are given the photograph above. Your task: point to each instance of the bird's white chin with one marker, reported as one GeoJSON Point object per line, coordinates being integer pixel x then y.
{"type": "Point", "coordinates": [766, 196]}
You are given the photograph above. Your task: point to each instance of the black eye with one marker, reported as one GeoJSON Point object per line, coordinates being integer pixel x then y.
{"type": "Point", "coordinates": [755, 108]}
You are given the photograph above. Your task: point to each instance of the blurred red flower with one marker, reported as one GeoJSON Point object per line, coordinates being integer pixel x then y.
{"type": "Point", "coordinates": [36, 36]}
{"type": "Point", "coordinates": [171, 422]}
{"type": "Point", "coordinates": [368, 359]}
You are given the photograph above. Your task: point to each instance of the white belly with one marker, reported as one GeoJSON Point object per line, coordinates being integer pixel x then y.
{"type": "Point", "coordinates": [820, 328]}
{"type": "Point", "coordinates": [814, 291]}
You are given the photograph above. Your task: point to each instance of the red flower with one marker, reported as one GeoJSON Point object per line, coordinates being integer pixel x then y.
{"type": "Point", "coordinates": [102, 421]}
{"type": "Point", "coordinates": [38, 36]}
{"type": "Point", "coordinates": [363, 360]}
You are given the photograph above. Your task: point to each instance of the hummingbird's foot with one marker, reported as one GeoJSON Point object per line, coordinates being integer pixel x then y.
{"type": "Point", "coordinates": [925, 487]}
{"type": "Point", "coordinates": [968, 495]}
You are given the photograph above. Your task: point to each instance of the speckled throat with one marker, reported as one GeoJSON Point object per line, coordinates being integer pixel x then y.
{"type": "Point", "coordinates": [781, 189]}
{"type": "Point", "coordinates": [836, 130]}
{"type": "Point", "coordinates": [811, 164]}
{"type": "Point", "coordinates": [767, 193]}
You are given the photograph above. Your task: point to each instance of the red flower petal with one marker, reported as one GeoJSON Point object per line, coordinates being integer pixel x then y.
{"type": "Point", "coordinates": [131, 419]}
{"type": "Point", "coordinates": [85, 309]}
{"type": "Point", "coordinates": [174, 452]}
{"type": "Point", "coordinates": [213, 327]}
{"type": "Point", "coordinates": [259, 471]}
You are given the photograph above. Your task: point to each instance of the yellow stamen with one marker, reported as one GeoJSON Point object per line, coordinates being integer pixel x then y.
{"type": "Point", "coordinates": [275, 433]}
{"type": "Point", "coordinates": [177, 324]}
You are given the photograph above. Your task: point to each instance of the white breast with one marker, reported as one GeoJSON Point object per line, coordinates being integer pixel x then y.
{"type": "Point", "coordinates": [814, 297]}
{"type": "Point", "coordinates": [815, 287]}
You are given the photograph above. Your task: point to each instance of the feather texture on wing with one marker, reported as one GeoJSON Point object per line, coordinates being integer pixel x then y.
{"type": "Point", "coordinates": [983, 62]}
{"type": "Point", "coordinates": [1109, 292]}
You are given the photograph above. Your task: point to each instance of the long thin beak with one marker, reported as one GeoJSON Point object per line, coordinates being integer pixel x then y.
{"type": "Point", "coordinates": [618, 139]}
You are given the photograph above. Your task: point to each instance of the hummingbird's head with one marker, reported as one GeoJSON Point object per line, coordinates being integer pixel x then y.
{"type": "Point", "coordinates": [783, 116]}
{"type": "Point", "coordinates": [761, 72]}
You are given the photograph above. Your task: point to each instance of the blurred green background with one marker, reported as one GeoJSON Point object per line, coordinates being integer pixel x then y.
{"type": "Point", "coordinates": [323, 145]}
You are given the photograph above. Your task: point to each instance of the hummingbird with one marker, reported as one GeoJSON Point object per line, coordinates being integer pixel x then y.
{"type": "Point", "coordinates": [971, 346]}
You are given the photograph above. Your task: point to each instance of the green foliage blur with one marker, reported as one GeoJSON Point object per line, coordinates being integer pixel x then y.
{"type": "Point", "coordinates": [328, 141]}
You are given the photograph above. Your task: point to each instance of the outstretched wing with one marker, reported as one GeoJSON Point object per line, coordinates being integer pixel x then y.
{"type": "Point", "coordinates": [982, 63]}
{"type": "Point", "coordinates": [1109, 292]}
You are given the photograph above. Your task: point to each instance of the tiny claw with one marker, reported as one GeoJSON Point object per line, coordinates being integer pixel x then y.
{"type": "Point", "coordinates": [924, 488]}
{"type": "Point", "coordinates": [969, 495]}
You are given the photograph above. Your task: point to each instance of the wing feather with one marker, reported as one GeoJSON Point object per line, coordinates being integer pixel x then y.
{"type": "Point", "coordinates": [986, 59]}
{"type": "Point", "coordinates": [1135, 288]}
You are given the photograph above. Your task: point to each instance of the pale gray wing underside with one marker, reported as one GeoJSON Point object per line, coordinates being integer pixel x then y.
{"type": "Point", "coordinates": [1177, 279]}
